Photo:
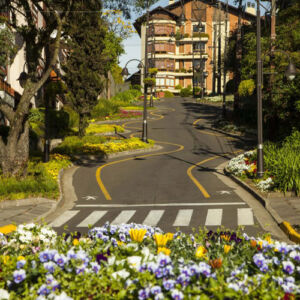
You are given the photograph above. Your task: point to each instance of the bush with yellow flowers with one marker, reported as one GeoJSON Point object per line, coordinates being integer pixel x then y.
{"type": "Point", "coordinates": [133, 261]}
{"type": "Point", "coordinates": [116, 146]}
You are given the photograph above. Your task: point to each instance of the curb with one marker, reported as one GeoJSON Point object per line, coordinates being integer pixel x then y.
{"type": "Point", "coordinates": [284, 225]}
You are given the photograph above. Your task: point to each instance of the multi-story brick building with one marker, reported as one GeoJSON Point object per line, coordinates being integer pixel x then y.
{"type": "Point", "coordinates": [185, 41]}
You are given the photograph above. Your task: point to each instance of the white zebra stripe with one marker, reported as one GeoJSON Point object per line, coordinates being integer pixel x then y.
{"type": "Point", "coordinates": [153, 217]}
{"type": "Point", "coordinates": [123, 217]}
{"type": "Point", "coordinates": [64, 218]}
{"type": "Point", "coordinates": [92, 218]}
{"type": "Point", "coordinates": [245, 216]}
{"type": "Point", "coordinates": [214, 217]}
{"type": "Point", "coordinates": [183, 217]}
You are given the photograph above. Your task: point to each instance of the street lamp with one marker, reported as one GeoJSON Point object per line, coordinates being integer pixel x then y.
{"type": "Point", "coordinates": [125, 73]}
{"type": "Point", "coordinates": [290, 73]}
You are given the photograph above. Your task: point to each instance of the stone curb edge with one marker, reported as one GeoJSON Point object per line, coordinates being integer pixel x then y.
{"type": "Point", "coordinates": [284, 225]}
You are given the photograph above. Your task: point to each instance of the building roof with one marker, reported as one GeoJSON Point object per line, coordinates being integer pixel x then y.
{"type": "Point", "coordinates": [231, 9]}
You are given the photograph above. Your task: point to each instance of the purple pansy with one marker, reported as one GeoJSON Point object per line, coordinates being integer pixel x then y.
{"type": "Point", "coordinates": [19, 275]}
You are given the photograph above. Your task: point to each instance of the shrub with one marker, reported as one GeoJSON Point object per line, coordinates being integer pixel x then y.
{"type": "Point", "coordinates": [185, 92]}
{"type": "Point", "coordinates": [152, 71]}
{"type": "Point", "coordinates": [282, 161]}
{"type": "Point", "coordinates": [73, 116]}
{"type": "Point", "coordinates": [74, 145]}
{"type": "Point", "coordinates": [104, 128]}
{"type": "Point", "coordinates": [41, 180]}
{"type": "Point", "coordinates": [36, 115]}
{"type": "Point", "coordinates": [137, 87]}
{"type": "Point", "coordinates": [197, 90]}
{"type": "Point", "coordinates": [149, 81]}
{"type": "Point", "coordinates": [104, 108]}
{"type": "Point", "coordinates": [246, 88]}
{"type": "Point", "coordinates": [168, 94]}
{"type": "Point", "coordinates": [178, 87]}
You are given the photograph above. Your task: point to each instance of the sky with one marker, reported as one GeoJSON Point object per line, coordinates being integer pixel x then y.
{"type": "Point", "coordinates": [132, 44]}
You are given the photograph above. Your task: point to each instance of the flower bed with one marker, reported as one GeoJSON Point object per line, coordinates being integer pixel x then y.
{"type": "Point", "coordinates": [133, 261]}
{"type": "Point", "coordinates": [41, 180]}
{"type": "Point", "coordinates": [99, 145]}
{"type": "Point", "coordinates": [104, 128]}
{"type": "Point", "coordinates": [244, 166]}
{"type": "Point", "coordinates": [122, 114]}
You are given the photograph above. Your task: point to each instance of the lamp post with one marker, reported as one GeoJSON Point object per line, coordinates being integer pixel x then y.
{"type": "Point", "coordinates": [125, 73]}
{"type": "Point", "coordinates": [290, 73]}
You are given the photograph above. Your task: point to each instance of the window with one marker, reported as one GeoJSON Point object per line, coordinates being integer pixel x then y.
{"type": "Point", "coordinates": [160, 81]}
{"type": "Point", "coordinates": [199, 28]}
{"type": "Point", "coordinates": [167, 82]}
{"type": "Point", "coordinates": [171, 82]}
{"type": "Point", "coordinates": [199, 46]}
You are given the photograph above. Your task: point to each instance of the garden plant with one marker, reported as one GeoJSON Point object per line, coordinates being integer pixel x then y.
{"type": "Point", "coordinates": [132, 261]}
{"type": "Point", "coordinates": [282, 165]}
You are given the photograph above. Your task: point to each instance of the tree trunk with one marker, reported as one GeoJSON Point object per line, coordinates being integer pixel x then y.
{"type": "Point", "coordinates": [83, 124]}
{"type": "Point", "coordinates": [14, 154]}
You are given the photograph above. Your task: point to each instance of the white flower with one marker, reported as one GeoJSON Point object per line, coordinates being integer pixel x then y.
{"type": "Point", "coordinates": [134, 261]}
{"type": "Point", "coordinates": [266, 184]}
{"type": "Point", "coordinates": [111, 260]}
{"type": "Point", "coordinates": [122, 273]}
{"type": "Point", "coordinates": [62, 296]}
{"type": "Point", "coordinates": [4, 294]}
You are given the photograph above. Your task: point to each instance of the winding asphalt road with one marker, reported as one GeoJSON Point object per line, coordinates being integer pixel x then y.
{"type": "Point", "coordinates": [176, 186]}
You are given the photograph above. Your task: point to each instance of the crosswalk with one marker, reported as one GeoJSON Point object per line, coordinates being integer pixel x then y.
{"type": "Point", "coordinates": [181, 218]}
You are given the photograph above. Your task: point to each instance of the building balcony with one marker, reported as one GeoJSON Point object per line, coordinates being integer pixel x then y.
{"type": "Point", "coordinates": [182, 56]}
{"type": "Point", "coordinates": [175, 73]}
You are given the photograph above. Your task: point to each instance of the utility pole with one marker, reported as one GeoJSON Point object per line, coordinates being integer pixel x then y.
{"type": "Point", "coordinates": [214, 58]}
{"type": "Point", "coordinates": [273, 39]}
{"type": "Point", "coordinates": [144, 133]}
{"type": "Point", "coordinates": [219, 50]}
{"type": "Point", "coordinates": [224, 63]}
{"type": "Point", "coordinates": [260, 162]}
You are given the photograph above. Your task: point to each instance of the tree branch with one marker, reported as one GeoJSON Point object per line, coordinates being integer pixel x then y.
{"type": "Point", "coordinates": [7, 110]}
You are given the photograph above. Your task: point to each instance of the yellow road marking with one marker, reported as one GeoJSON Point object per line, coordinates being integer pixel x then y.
{"type": "Point", "coordinates": [98, 172]}
{"type": "Point", "coordinates": [197, 183]}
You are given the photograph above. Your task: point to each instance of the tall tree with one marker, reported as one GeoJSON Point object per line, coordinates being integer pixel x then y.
{"type": "Point", "coordinates": [86, 61]}
{"type": "Point", "coordinates": [14, 153]}
{"type": "Point", "coordinates": [238, 56]}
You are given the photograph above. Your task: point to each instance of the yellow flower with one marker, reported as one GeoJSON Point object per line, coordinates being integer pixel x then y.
{"type": "Point", "coordinates": [21, 257]}
{"type": "Point", "coordinates": [225, 237]}
{"type": "Point", "coordinates": [5, 259]}
{"type": "Point", "coordinates": [162, 239]}
{"type": "Point", "coordinates": [200, 252]}
{"type": "Point", "coordinates": [164, 250]}
{"type": "Point", "coordinates": [227, 248]}
{"type": "Point", "coordinates": [8, 229]}
{"type": "Point", "coordinates": [137, 235]}
{"type": "Point", "coordinates": [260, 244]}
{"type": "Point", "coordinates": [268, 239]}
{"type": "Point", "coordinates": [120, 243]}
{"type": "Point", "coordinates": [75, 242]}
